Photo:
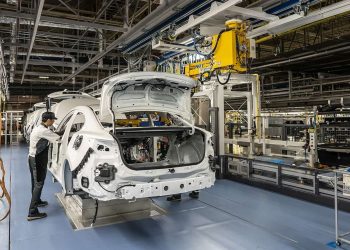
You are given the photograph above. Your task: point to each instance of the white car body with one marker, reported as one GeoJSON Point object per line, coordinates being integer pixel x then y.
{"type": "Point", "coordinates": [30, 117]}
{"type": "Point", "coordinates": [121, 162]}
{"type": "Point", "coordinates": [62, 108]}
{"type": "Point", "coordinates": [66, 100]}
{"type": "Point", "coordinates": [68, 94]}
{"type": "Point", "coordinates": [32, 121]}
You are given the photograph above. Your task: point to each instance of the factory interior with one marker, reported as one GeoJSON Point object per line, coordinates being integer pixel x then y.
{"type": "Point", "coordinates": [163, 124]}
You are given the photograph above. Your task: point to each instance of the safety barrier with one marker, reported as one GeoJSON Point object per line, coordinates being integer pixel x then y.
{"type": "Point", "coordinates": [5, 194]}
{"type": "Point", "coordinates": [277, 176]}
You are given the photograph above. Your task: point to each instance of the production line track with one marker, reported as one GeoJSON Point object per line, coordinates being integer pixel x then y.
{"type": "Point", "coordinates": [228, 216]}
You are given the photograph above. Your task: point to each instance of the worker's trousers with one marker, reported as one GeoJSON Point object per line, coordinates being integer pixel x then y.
{"type": "Point", "coordinates": [38, 170]}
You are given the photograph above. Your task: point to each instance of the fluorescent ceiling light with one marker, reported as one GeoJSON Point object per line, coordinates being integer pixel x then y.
{"type": "Point", "coordinates": [44, 77]}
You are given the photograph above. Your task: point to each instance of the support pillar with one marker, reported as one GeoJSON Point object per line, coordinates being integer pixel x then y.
{"type": "Point", "coordinates": [220, 103]}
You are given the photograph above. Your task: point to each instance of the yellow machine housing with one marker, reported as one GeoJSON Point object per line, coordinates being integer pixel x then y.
{"type": "Point", "coordinates": [231, 53]}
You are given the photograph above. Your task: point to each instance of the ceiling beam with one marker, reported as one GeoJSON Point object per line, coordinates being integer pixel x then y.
{"type": "Point", "coordinates": [68, 7]}
{"type": "Point", "coordinates": [65, 64]}
{"type": "Point", "coordinates": [43, 81]}
{"type": "Point", "coordinates": [35, 73]}
{"type": "Point", "coordinates": [35, 29]}
{"type": "Point", "coordinates": [23, 33]}
{"type": "Point", "coordinates": [66, 50]}
{"type": "Point", "coordinates": [64, 22]}
{"type": "Point", "coordinates": [159, 15]}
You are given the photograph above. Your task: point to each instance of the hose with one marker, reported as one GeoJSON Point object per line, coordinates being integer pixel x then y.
{"type": "Point", "coordinates": [5, 194]}
{"type": "Point", "coordinates": [215, 46]}
{"type": "Point", "coordinates": [218, 79]}
{"type": "Point", "coordinates": [95, 215]}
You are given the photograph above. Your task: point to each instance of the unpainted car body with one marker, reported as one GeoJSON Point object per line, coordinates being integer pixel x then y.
{"type": "Point", "coordinates": [65, 101]}
{"type": "Point", "coordinates": [141, 144]}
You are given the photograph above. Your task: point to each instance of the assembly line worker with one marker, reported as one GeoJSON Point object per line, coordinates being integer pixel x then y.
{"type": "Point", "coordinates": [38, 158]}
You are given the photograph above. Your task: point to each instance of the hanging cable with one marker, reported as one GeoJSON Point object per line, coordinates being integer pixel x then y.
{"type": "Point", "coordinates": [109, 191]}
{"type": "Point", "coordinates": [95, 215]}
{"type": "Point", "coordinates": [201, 39]}
{"type": "Point", "coordinates": [218, 73]}
{"type": "Point", "coordinates": [202, 78]}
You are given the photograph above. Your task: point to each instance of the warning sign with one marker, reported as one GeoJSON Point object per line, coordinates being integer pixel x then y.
{"type": "Point", "coordinates": [346, 184]}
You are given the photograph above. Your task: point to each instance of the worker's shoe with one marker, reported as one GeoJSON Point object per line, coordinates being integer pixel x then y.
{"type": "Point", "coordinates": [194, 194]}
{"type": "Point", "coordinates": [174, 197]}
{"type": "Point", "coordinates": [36, 216]}
{"type": "Point", "coordinates": [42, 203]}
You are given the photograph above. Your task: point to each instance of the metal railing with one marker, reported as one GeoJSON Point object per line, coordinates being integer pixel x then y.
{"type": "Point", "coordinates": [300, 178]}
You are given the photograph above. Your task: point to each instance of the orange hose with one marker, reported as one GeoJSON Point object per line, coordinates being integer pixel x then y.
{"type": "Point", "coordinates": [5, 193]}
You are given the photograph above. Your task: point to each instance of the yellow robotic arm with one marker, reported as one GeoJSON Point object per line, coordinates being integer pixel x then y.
{"type": "Point", "coordinates": [229, 52]}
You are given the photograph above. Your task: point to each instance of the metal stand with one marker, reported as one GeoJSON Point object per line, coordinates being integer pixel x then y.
{"type": "Point", "coordinates": [333, 178]}
{"type": "Point", "coordinates": [86, 213]}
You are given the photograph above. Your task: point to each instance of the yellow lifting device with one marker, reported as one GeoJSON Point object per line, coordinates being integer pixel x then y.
{"type": "Point", "coordinates": [230, 52]}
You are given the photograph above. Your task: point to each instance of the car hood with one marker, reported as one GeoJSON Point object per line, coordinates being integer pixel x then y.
{"type": "Point", "coordinates": [147, 91]}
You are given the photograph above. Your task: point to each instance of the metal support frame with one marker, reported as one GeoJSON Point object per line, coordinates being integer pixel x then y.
{"type": "Point", "coordinates": [229, 7]}
{"type": "Point", "coordinates": [275, 174]}
{"type": "Point", "coordinates": [150, 22]}
{"type": "Point", "coordinates": [64, 64]}
{"type": "Point", "coordinates": [333, 178]}
{"type": "Point", "coordinates": [59, 22]}
{"type": "Point", "coordinates": [297, 20]}
{"type": "Point", "coordinates": [10, 120]}
{"type": "Point", "coordinates": [35, 29]}
{"type": "Point", "coordinates": [220, 104]}
{"type": "Point", "coordinates": [270, 27]}
{"type": "Point", "coordinates": [290, 81]}
{"type": "Point", "coordinates": [68, 7]}
{"type": "Point", "coordinates": [97, 17]}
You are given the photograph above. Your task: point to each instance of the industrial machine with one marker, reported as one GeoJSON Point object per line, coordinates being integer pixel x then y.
{"type": "Point", "coordinates": [333, 130]}
{"type": "Point", "coordinates": [227, 52]}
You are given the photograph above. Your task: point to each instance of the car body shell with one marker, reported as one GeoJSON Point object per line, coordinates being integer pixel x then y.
{"type": "Point", "coordinates": [76, 160]}
{"type": "Point", "coordinates": [61, 108]}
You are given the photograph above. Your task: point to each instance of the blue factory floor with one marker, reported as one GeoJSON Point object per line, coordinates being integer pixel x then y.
{"type": "Point", "coordinates": [228, 216]}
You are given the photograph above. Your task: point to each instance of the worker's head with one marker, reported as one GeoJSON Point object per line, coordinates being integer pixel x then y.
{"type": "Point", "coordinates": [48, 118]}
